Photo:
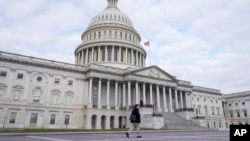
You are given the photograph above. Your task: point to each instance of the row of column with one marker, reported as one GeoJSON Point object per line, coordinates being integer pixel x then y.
{"type": "Point", "coordinates": [183, 96]}
{"type": "Point", "coordinates": [110, 53]}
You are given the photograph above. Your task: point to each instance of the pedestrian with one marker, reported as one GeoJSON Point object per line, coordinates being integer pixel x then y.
{"type": "Point", "coordinates": [135, 119]}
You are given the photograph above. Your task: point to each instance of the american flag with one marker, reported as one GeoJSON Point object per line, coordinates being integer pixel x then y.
{"type": "Point", "coordinates": [146, 43]}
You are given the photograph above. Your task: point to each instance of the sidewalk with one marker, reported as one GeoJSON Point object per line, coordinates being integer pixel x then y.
{"type": "Point", "coordinates": [97, 132]}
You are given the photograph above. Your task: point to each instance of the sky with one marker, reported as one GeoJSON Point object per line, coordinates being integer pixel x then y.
{"type": "Point", "coordinates": [206, 42]}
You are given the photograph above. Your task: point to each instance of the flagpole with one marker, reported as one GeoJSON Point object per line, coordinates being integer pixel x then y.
{"type": "Point", "coordinates": [149, 55]}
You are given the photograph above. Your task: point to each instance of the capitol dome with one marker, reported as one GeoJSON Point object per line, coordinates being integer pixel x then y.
{"type": "Point", "coordinates": [111, 40]}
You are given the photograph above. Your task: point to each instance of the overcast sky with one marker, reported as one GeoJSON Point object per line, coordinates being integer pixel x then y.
{"type": "Point", "coordinates": [206, 42]}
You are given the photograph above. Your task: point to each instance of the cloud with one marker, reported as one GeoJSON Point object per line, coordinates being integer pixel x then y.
{"type": "Point", "coordinates": [205, 42]}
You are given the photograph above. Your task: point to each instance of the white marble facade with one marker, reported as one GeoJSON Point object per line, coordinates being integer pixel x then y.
{"type": "Point", "coordinates": [109, 76]}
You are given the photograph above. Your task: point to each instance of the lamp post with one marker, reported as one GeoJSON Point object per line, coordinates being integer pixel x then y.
{"type": "Point", "coordinates": [197, 113]}
{"type": "Point", "coordinates": [4, 121]}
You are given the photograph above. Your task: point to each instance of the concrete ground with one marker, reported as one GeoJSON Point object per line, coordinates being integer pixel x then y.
{"type": "Point", "coordinates": [118, 136]}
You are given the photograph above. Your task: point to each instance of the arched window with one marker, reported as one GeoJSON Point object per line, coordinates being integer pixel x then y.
{"type": "Point", "coordinates": [17, 91]}
{"type": "Point", "coordinates": [68, 98]}
{"type": "Point", "coordinates": [54, 96]}
{"type": "Point", "coordinates": [2, 90]}
{"type": "Point", "coordinates": [218, 111]}
{"type": "Point", "coordinates": [37, 95]}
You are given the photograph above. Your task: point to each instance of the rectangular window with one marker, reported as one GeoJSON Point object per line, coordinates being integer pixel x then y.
{"type": "Point", "coordinates": [36, 96]}
{"type": "Point", "coordinates": [245, 113]}
{"type": "Point", "coordinates": [3, 73]}
{"type": "Point", "coordinates": [70, 82]}
{"type": "Point", "coordinates": [66, 120]}
{"type": "Point", "coordinates": [68, 100]}
{"type": "Point", "coordinates": [16, 95]}
{"type": "Point", "coordinates": [54, 99]}
{"type": "Point", "coordinates": [12, 117]}
{"type": "Point", "coordinates": [19, 76]}
{"type": "Point", "coordinates": [57, 81]}
{"type": "Point", "coordinates": [52, 118]}
{"type": "Point", "coordinates": [33, 118]}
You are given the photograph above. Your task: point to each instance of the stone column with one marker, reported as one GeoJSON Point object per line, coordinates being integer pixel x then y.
{"type": "Point", "coordinates": [113, 54]}
{"type": "Point", "coordinates": [124, 95]}
{"type": "Point", "coordinates": [116, 95]}
{"type": "Point", "coordinates": [106, 53]}
{"type": "Point", "coordinates": [119, 57]}
{"type": "Point", "coordinates": [181, 99]}
{"type": "Point", "coordinates": [90, 93]}
{"type": "Point", "coordinates": [99, 93]}
{"type": "Point", "coordinates": [164, 99]}
{"type": "Point", "coordinates": [108, 93]}
{"type": "Point", "coordinates": [107, 122]}
{"type": "Point", "coordinates": [136, 93]}
{"type": "Point", "coordinates": [151, 94]}
{"type": "Point", "coordinates": [99, 54]}
{"type": "Point", "coordinates": [176, 99]}
{"type": "Point", "coordinates": [136, 58]}
{"type": "Point", "coordinates": [158, 98]}
{"type": "Point", "coordinates": [126, 56]}
{"type": "Point", "coordinates": [86, 56]}
{"type": "Point", "coordinates": [129, 93]}
{"type": "Point", "coordinates": [132, 56]}
{"type": "Point", "coordinates": [92, 54]}
{"type": "Point", "coordinates": [186, 99]}
{"type": "Point", "coordinates": [116, 122]}
{"type": "Point", "coordinates": [170, 99]}
{"type": "Point", "coordinates": [144, 93]}
{"type": "Point", "coordinates": [98, 122]}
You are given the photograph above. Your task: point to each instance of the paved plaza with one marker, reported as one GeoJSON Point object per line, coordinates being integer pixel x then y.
{"type": "Point", "coordinates": [146, 136]}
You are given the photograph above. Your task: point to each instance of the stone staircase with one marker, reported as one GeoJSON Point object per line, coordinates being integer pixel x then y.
{"type": "Point", "coordinates": [175, 122]}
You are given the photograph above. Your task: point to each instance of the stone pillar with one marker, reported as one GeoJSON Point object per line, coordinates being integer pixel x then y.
{"type": "Point", "coordinates": [108, 93]}
{"type": "Point", "coordinates": [144, 93]}
{"type": "Point", "coordinates": [176, 99]}
{"type": "Point", "coordinates": [132, 56]}
{"type": "Point", "coordinates": [107, 122]}
{"type": "Point", "coordinates": [136, 93]}
{"type": "Point", "coordinates": [99, 93]}
{"type": "Point", "coordinates": [98, 122]}
{"type": "Point", "coordinates": [170, 99]}
{"type": "Point", "coordinates": [129, 93]}
{"type": "Point", "coordinates": [164, 99]}
{"type": "Point", "coordinates": [106, 53]}
{"type": "Point", "coordinates": [90, 93]}
{"type": "Point", "coordinates": [136, 58]}
{"type": "Point", "coordinates": [116, 122]}
{"type": "Point", "coordinates": [124, 95]}
{"type": "Point", "coordinates": [99, 54]}
{"type": "Point", "coordinates": [116, 95]}
{"type": "Point", "coordinates": [119, 57]}
{"type": "Point", "coordinates": [181, 99]}
{"type": "Point", "coordinates": [92, 54]}
{"type": "Point", "coordinates": [113, 54]}
{"type": "Point", "coordinates": [186, 99]}
{"type": "Point", "coordinates": [158, 98]}
{"type": "Point", "coordinates": [151, 94]}
{"type": "Point", "coordinates": [86, 56]}
{"type": "Point", "coordinates": [126, 56]}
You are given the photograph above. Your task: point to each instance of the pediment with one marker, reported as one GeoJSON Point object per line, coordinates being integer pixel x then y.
{"type": "Point", "coordinates": [154, 72]}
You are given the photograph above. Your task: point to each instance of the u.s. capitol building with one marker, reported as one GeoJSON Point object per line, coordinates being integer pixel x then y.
{"type": "Point", "coordinates": [108, 77]}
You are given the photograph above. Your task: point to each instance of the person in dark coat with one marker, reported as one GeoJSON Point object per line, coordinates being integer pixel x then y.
{"type": "Point", "coordinates": [135, 119]}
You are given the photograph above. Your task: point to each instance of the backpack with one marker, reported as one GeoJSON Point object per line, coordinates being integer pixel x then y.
{"type": "Point", "coordinates": [132, 117]}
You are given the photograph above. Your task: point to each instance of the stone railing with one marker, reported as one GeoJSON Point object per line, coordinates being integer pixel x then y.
{"type": "Point", "coordinates": [40, 61]}
{"type": "Point", "coordinates": [197, 117]}
{"type": "Point", "coordinates": [184, 110]}
{"type": "Point", "coordinates": [202, 89]}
